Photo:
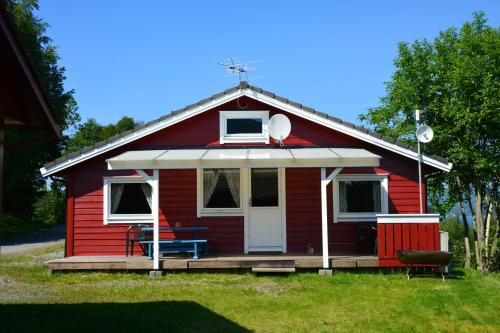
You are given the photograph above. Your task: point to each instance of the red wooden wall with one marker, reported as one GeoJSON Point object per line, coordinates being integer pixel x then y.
{"type": "Point", "coordinates": [87, 235]}
{"type": "Point", "coordinates": [393, 237]}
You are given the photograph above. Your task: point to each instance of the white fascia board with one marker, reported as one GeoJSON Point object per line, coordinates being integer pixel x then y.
{"type": "Point", "coordinates": [407, 218]}
{"type": "Point", "coordinates": [141, 133]}
{"type": "Point", "coordinates": [346, 129]}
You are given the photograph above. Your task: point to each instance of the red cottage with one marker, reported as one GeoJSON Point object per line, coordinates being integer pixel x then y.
{"type": "Point", "coordinates": [330, 194]}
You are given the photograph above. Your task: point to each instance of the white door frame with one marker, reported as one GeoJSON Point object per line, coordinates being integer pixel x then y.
{"type": "Point", "coordinates": [245, 172]}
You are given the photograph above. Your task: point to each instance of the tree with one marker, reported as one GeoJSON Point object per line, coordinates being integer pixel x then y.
{"type": "Point", "coordinates": [91, 132]}
{"type": "Point", "coordinates": [23, 182]}
{"type": "Point", "coordinates": [50, 205]}
{"type": "Point", "coordinates": [456, 81]}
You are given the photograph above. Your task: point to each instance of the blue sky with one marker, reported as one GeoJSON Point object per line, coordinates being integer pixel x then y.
{"type": "Point", "coordinates": [146, 58]}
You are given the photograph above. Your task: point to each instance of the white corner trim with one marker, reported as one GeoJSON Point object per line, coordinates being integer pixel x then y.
{"type": "Point", "coordinates": [407, 218]}
{"type": "Point", "coordinates": [226, 98]}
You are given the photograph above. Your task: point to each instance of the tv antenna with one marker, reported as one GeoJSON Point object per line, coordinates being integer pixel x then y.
{"type": "Point", "coordinates": [241, 69]}
{"type": "Point", "coordinates": [424, 134]}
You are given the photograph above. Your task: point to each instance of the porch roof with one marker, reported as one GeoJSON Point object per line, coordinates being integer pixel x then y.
{"type": "Point", "coordinates": [248, 157]}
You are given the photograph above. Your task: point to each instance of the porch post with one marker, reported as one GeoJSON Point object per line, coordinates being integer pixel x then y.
{"type": "Point", "coordinates": [324, 219]}
{"type": "Point", "coordinates": [156, 222]}
{"type": "Point", "coordinates": [154, 182]}
{"type": "Point", "coordinates": [324, 212]}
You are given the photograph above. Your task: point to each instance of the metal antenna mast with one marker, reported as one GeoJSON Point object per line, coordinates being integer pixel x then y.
{"type": "Point", "coordinates": [424, 134]}
{"type": "Point", "coordinates": [240, 69]}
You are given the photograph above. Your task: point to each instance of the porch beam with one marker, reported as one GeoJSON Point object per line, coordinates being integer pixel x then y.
{"type": "Point", "coordinates": [145, 176]}
{"type": "Point", "coordinates": [325, 180]}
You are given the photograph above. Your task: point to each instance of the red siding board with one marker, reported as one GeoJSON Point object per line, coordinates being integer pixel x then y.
{"type": "Point", "coordinates": [389, 240]}
{"type": "Point", "coordinates": [422, 239]}
{"type": "Point", "coordinates": [381, 241]}
{"type": "Point", "coordinates": [406, 236]}
{"type": "Point", "coordinates": [397, 238]}
{"type": "Point", "coordinates": [413, 236]}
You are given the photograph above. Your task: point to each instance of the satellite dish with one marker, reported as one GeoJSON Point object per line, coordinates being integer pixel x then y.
{"type": "Point", "coordinates": [425, 134]}
{"type": "Point", "coordinates": [279, 127]}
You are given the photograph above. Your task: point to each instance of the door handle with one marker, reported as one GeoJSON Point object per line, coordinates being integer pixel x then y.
{"type": "Point", "coordinates": [250, 202]}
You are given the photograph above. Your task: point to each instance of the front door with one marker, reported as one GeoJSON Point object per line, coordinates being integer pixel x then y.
{"type": "Point", "coordinates": [265, 210]}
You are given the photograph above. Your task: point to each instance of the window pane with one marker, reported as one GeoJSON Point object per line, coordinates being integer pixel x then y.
{"type": "Point", "coordinates": [264, 187]}
{"type": "Point", "coordinates": [244, 126]}
{"type": "Point", "coordinates": [359, 196]}
{"type": "Point", "coordinates": [130, 198]}
{"type": "Point", "coordinates": [221, 188]}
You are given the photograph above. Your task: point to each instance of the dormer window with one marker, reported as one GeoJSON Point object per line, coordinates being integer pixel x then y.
{"type": "Point", "coordinates": [244, 127]}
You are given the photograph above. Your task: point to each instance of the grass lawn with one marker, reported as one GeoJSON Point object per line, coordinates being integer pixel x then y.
{"type": "Point", "coordinates": [33, 301]}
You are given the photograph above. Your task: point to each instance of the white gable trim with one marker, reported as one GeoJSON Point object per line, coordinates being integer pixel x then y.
{"type": "Point", "coordinates": [347, 130]}
{"type": "Point", "coordinates": [141, 133]}
{"type": "Point", "coordinates": [157, 126]}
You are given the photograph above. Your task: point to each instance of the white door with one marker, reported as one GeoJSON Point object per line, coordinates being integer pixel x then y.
{"type": "Point", "coordinates": [265, 210]}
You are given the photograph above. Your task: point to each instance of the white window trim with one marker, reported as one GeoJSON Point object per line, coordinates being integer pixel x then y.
{"type": "Point", "coordinates": [243, 138]}
{"type": "Point", "coordinates": [201, 211]}
{"type": "Point", "coordinates": [360, 217]}
{"type": "Point", "coordinates": [109, 218]}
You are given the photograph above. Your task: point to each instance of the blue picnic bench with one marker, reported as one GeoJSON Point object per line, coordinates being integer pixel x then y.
{"type": "Point", "coordinates": [191, 246]}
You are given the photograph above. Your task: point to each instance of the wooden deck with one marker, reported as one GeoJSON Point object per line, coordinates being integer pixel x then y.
{"type": "Point", "coordinates": [212, 262]}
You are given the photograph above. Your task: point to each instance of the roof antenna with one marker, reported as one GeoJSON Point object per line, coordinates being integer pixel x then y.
{"type": "Point", "coordinates": [233, 67]}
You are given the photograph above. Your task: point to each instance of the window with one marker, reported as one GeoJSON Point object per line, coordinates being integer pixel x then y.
{"type": "Point", "coordinates": [127, 199]}
{"type": "Point", "coordinates": [359, 198]}
{"type": "Point", "coordinates": [219, 191]}
{"type": "Point", "coordinates": [264, 185]}
{"type": "Point", "coordinates": [244, 126]}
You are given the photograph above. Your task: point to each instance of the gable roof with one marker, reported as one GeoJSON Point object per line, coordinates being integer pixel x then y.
{"type": "Point", "coordinates": [243, 89]}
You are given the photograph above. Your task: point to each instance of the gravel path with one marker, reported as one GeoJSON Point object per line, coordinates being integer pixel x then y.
{"type": "Point", "coordinates": [40, 238]}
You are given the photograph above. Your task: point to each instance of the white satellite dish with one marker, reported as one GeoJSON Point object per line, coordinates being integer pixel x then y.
{"type": "Point", "coordinates": [425, 134]}
{"type": "Point", "coordinates": [279, 127]}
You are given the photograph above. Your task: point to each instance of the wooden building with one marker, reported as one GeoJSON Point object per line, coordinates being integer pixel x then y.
{"type": "Point", "coordinates": [329, 189]}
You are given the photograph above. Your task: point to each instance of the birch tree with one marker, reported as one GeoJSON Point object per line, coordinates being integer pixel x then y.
{"type": "Point", "coordinates": [455, 80]}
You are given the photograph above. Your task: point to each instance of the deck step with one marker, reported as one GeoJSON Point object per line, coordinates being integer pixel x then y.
{"type": "Point", "coordinates": [273, 269]}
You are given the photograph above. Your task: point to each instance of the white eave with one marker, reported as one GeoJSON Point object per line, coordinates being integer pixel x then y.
{"type": "Point", "coordinates": [243, 158]}
{"type": "Point", "coordinates": [224, 98]}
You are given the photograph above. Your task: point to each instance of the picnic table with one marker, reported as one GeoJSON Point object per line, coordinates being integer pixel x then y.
{"type": "Point", "coordinates": [168, 245]}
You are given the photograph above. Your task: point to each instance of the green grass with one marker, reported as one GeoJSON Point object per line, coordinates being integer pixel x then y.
{"type": "Point", "coordinates": [31, 300]}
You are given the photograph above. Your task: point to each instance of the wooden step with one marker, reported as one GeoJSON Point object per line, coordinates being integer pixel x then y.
{"type": "Point", "coordinates": [287, 270]}
{"type": "Point", "coordinates": [273, 264]}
